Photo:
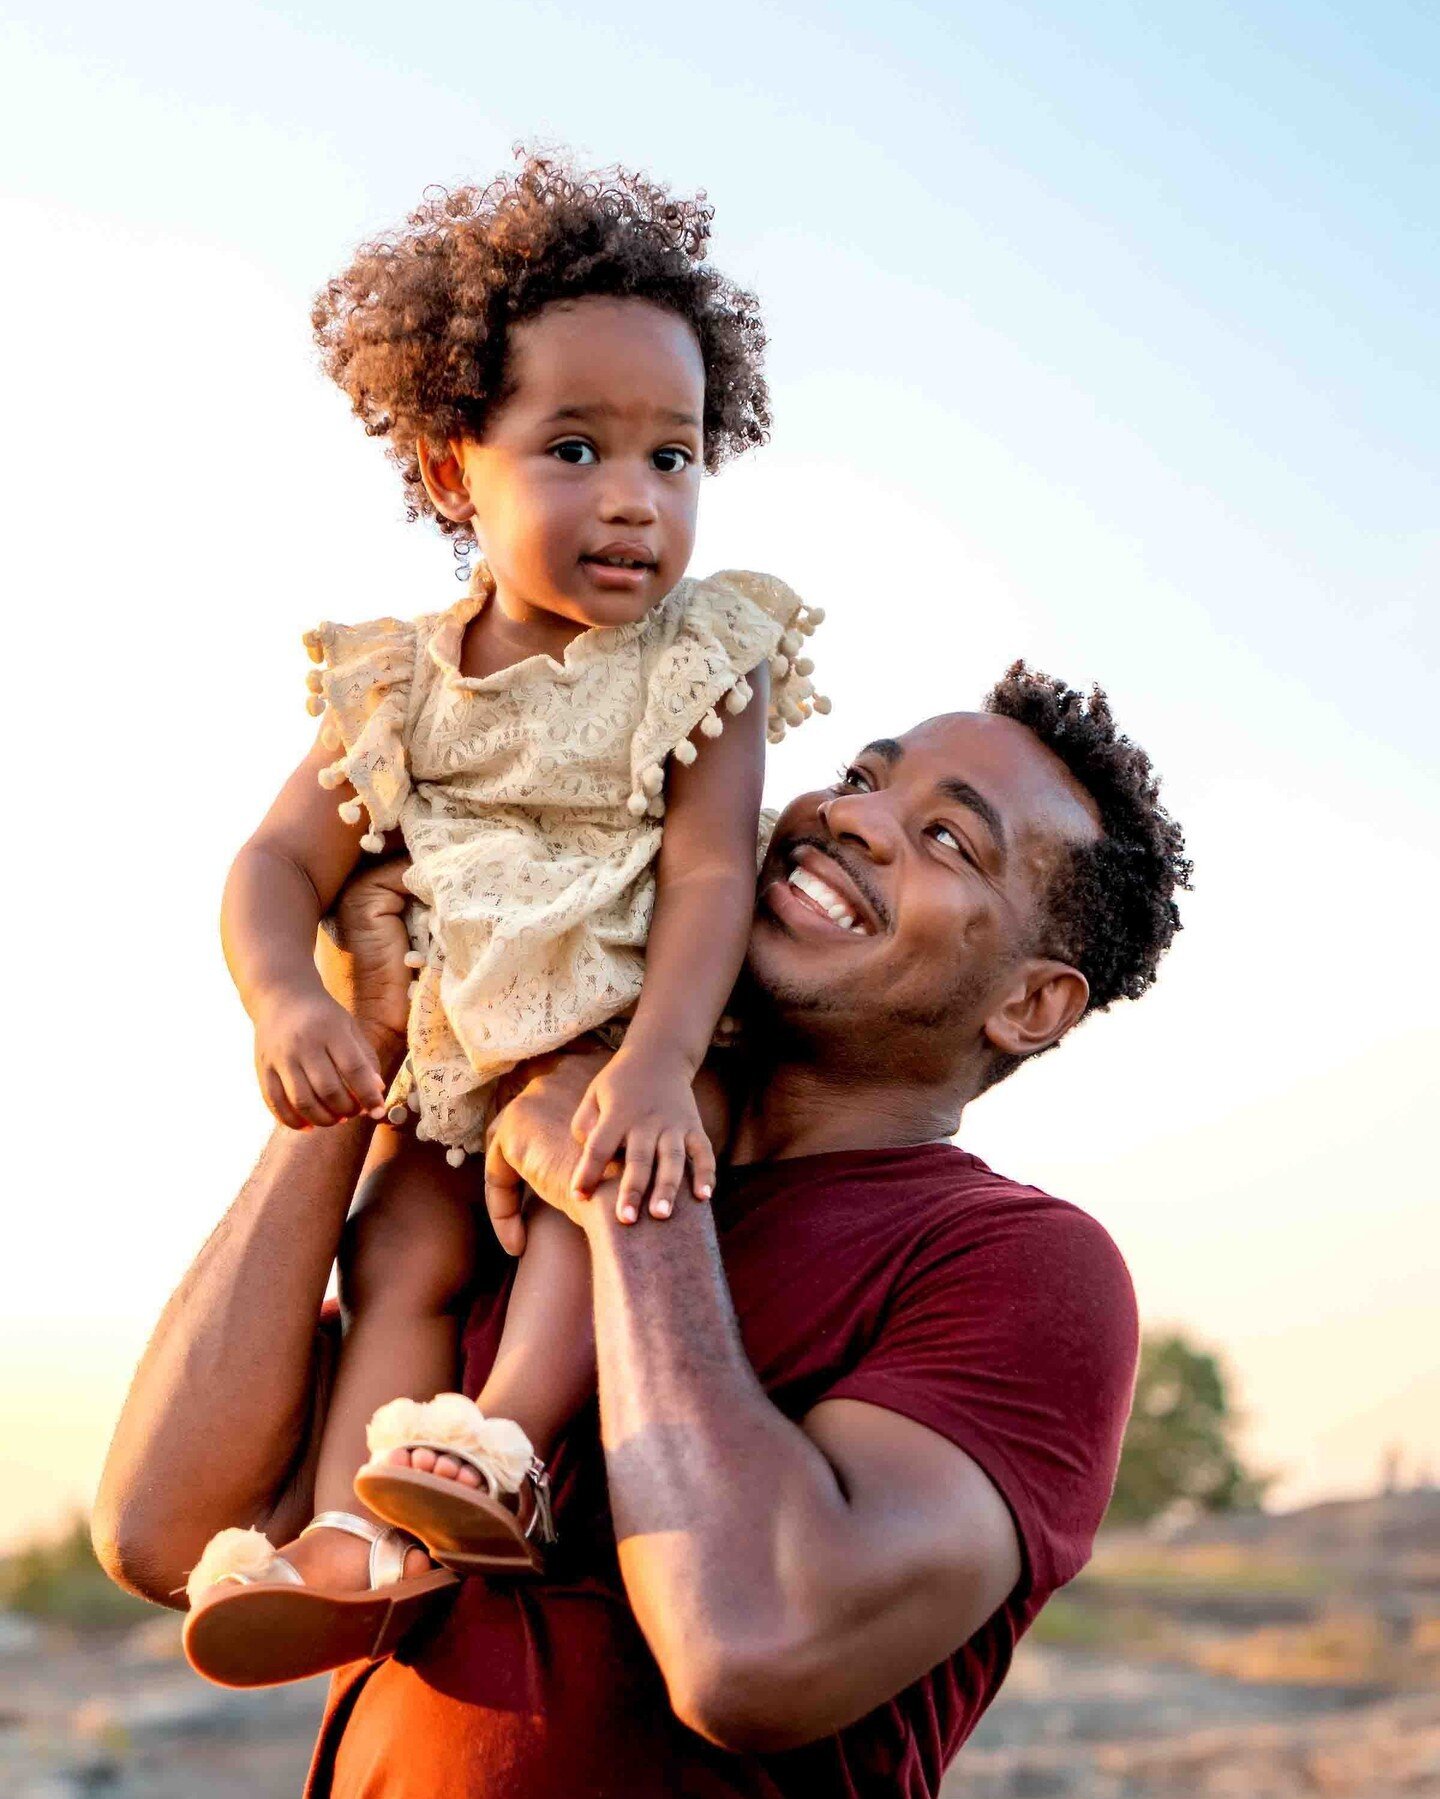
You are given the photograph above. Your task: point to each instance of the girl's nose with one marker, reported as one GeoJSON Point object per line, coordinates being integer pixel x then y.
{"type": "Point", "coordinates": [628, 502]}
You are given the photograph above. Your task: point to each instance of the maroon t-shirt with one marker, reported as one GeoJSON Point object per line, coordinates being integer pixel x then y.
{"type": "Point", "coordinates": [912, 1279]}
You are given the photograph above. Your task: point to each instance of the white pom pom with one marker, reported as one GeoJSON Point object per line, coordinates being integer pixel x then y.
{"type": "Point", "coordinates": [652, 779]}
{"type": "Point", "coordinates": [230, 1552]}
{"type": "Point", "coordinates": [790, 712]}
{"type": "Point", "coordinates": [411, 991]}
{"type": "Point", "coordinates": [710, 725]}
{"type": "Point", "coordinates": [790, 643]}
{"type": "Point", "coordinates": [330, 735]}
{"type": "Point", "coordinates": [636, 805]}
{"type": "Point", "coordinates": [821, 704]}
{"type": "Point", "coordinates": [314, 648]}
{"type": "Point", "coordinates": [736, 701]}
{"type": "Point", "coordinates": [314, 705]}
{"type": "Point", "coordinates": [398, 1115]}
{"type": "Point", "coordinates": [656, 808]}
{"type": "Point", "coordinates": [814, 615]}
{"type": "Point", "coordinates": [374, 842]}
{"type": "Point", "coordinates": [349, 810]}
{"type": "Point", "coordinates": [414, 958]}
{"type": "Point", "coordinates": [455, 1157]}
{"type": "Point", "coordinates": [685, 751]}
{"type": "Point", "coordinates": [314, 680]}
{"type": "Point", "coordinates": [332, 776]}
{"type": "Point", "coordinates": [779, 667]}
{"type": "Point", "coordinates": [804, 666]}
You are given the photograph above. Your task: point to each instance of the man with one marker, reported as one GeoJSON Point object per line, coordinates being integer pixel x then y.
{"type": "Point", "coordinates": [847, 1463]}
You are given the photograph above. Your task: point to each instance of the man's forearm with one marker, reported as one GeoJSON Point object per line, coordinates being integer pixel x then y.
{"type": "Point", "coordinates": [219, 1409]}
{"type": "Point", "coordinates": [728, 1516]}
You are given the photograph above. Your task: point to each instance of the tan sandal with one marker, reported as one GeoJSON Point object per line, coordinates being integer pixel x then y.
{"type": "Point", "coordinates": [254, 1623]}
{"type": "Point", "coordinates": [472, 1530]}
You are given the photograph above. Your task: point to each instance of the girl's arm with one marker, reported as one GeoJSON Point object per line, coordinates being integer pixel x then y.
{"type": "Point", "coordinates": [704, 900]}
{"type": "Point", "coordinates": [314, 1064]}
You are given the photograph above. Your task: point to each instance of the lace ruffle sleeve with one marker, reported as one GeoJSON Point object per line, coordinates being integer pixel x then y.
{"type": "Point", "coordinates": [361, 689]}
{"type": "Point", "coordinates": [720, 629]}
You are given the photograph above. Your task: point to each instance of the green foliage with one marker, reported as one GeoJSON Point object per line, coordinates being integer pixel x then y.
{"type": "Point", "coordinates": [1179, 1445]}
{"type": "Point", "coordinates": [61, 1582]}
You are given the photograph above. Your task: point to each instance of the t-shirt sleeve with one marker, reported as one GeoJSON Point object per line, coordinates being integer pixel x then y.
{"type": "Point", "coordinates": [1019, 1346]}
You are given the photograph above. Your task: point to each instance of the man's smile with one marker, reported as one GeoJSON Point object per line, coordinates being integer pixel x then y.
{"type": "Point", "coordinates": [818, 891]}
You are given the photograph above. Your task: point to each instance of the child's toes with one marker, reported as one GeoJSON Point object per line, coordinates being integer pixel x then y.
{"type": "Point", "coordinates": [424, 1460]}
{"type": "Point", "coordinates": [467, 1476]}
{"type": "Point", "coordinates": [446, 1466]}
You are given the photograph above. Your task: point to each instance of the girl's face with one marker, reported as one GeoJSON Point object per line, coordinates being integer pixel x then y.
{"type": "Point", "coordinates": [584, 490]}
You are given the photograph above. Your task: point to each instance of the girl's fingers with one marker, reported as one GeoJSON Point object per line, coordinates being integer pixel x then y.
{"type": "Point", "coordinates": [587, 1116]}
{"type": "Point", "coordinates": [639, 1165]}
{"type": "Point", "coordinates": [273, 1089]}
{"type": "Point", "coordinates": [302, 1096]}
{"type": "Point", "coordinates": [702, 1164]}
{"type": "Point", "coordinates": [356, 1065]}
{"type": "Point", "coordinates": [669, 1172]}
{"type": "Point", "coordinates": [600, 1146]}
{"type": "Point", "coordinates": [325, 1083]}
{"type": "Point", "coordinates": [504, 1198]}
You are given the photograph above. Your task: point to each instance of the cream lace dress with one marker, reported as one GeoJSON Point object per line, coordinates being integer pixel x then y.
{"type": "Point", "coordinates": [530, 802]}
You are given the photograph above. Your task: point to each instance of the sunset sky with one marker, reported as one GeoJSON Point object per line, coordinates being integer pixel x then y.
{"type": "Point", "coordinates": [1101, 334]}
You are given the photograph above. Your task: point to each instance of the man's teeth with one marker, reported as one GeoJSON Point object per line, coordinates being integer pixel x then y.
{"type": "Point", "coordinates": [828, 900]}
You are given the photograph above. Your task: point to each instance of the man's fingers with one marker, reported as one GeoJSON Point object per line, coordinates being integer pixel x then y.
{"type": "Point", "coordinates": [504, 1198]}
{"type": "Point", "coordinates": [273, 1088]}
{"type": "Point", "coordinates": [600, 1146]}
{"type": "Point", "coordinates": [639, 1165]}
{"type": "Point", "coordinates": [587, 1116]}
{"type": "Point", "coordinates": [669, 1172]}
{"type": "Point", "coordinates": [702, 1164]}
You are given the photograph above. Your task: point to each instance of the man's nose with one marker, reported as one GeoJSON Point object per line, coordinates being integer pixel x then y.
{"type": "Point", "coordinates": [862, 819]}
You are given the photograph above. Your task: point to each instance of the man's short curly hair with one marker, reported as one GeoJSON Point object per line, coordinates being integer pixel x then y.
{"type": "Point", "coordinates": [417, 329]}
{"type": "Point", "coordinates": [1111, 911]}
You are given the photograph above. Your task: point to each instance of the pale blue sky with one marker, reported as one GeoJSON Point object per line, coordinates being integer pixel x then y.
{"type": "Point", "coordinates": [1103, 334]}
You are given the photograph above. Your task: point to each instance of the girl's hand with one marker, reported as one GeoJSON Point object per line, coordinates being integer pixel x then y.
{"type": "Point", "coordinates": [643, 1100]}
{"type": "Point", "coordinates": [315, 1064]}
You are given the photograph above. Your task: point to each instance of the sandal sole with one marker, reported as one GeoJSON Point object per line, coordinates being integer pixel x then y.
{"type": "Point", "coordinates": [267, 1635]}
{"type": "Point", "coordinates": [461, 1528]}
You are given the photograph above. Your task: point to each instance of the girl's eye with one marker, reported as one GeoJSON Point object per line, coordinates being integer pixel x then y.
{"type": "Point", "coordinates": [672, 461]}
{"type": "Point", "coordinates": [575, 451]}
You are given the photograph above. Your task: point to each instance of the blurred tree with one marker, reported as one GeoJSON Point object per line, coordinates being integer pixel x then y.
{"type": "Point", "coordinates": [61, 1581]}
{"type": "Point", "coordinates": [1179, 1445]}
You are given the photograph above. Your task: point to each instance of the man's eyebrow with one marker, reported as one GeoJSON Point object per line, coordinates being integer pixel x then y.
{"type": "Point", "coordinates": [973, 800]}
{"type": "Point", "coordinates": [886, 748]}
{"type": "Point", "coordinates": [602, 409]}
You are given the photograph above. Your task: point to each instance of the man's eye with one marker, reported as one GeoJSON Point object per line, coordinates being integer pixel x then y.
{"type": "Point", "coordinates": [672, 461]}
{"type": "Point", "coordinates": [853, 777]}
{"type": "Point", "coordinates": [944, 835]}
{"type": "Point", "coordinates": [575, 451]}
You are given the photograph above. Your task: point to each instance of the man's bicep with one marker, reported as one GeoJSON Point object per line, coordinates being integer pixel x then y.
{"type": "Point", "coordinates": [936, 1528]}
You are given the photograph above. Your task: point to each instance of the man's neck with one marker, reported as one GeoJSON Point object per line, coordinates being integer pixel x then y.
{"type": "Point", "coordinates": [803, 1109]}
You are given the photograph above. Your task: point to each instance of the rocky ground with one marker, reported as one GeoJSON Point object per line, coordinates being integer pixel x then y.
{"type": "Point", "coordinates": [1293, 1660]}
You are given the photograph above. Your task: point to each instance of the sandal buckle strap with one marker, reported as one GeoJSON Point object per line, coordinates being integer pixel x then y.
{"type": "Point", "coordinates": [542, 1525]}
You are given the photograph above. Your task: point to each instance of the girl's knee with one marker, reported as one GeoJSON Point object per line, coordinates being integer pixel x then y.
{"type": "Point", "coordinates": [408, 1248]}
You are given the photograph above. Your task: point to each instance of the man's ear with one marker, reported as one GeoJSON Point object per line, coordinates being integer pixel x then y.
{"type": "Point", "coordinates": [443, 473]}
{"type": "Point", "coordinates": [1044, 1001]}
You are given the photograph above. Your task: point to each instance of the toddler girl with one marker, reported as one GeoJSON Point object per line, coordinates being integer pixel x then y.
{"type": "Point", "coordinates": [552, 364]}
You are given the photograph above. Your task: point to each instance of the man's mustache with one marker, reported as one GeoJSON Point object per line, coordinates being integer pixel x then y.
{"type": "Point", "coordinates": [785, 850]}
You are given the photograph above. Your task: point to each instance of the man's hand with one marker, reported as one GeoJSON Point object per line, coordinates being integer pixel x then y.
{"type": "Point", "coordinates": [530, 1143]}
{"type": "Point", "coordinates": [360, 952]}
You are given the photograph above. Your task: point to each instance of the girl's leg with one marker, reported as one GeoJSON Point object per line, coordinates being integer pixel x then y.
{"type": "Point", "coordinates": [406, 1263]}
{"type": "Point", "coordinates": [544, 1368]}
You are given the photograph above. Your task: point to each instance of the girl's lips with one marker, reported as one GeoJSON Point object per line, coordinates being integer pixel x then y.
{"type": "Point", "coordinates": [615, 580]}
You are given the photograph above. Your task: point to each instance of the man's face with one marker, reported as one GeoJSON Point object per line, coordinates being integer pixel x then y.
{"type": "Point", "coordinates": [900, 902]}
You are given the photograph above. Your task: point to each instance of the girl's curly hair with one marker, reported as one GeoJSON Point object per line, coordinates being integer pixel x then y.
{"type": "Point", "coordinates": [417, 329]}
